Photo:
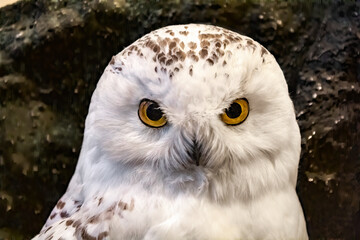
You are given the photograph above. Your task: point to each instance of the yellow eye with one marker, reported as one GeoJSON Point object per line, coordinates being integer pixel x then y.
{"type": "Point", "coordinates": [150, 114]}
{"type": "Point", "coordinates": [236, 113]}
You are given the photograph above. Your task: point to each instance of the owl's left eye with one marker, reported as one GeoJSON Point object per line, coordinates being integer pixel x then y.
{"type": "Point", "coordinates": [150, 114]}
{"type": "Point", "coordinates": [236, 113]}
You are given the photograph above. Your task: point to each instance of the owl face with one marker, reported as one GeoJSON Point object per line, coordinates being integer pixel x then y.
{"type": "Point", "coordinates": [201, 101]}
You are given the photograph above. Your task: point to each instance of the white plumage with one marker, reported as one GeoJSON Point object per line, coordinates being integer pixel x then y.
{"type": "Point", "coordinates": [221, 163]}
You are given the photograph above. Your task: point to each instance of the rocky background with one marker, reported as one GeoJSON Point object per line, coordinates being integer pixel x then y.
{"type": "Point", "coordinates": [52, 54]}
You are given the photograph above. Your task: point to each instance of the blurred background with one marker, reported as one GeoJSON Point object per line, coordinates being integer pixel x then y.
{"type": "Point", "coordinates": [52, 53]}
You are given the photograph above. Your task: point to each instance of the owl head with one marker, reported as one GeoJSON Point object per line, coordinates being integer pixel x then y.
{"type": "Point", "coordinates": [196, 108]}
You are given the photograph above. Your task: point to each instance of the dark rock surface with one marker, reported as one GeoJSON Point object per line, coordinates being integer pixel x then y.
{"type": "Point", "coordinates": [52, 53]}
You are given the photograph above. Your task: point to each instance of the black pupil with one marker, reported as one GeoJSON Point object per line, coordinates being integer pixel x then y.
{"type": "Point", "coordinates": [234, 110]}
{"type": "Point", "coordinates": [153, 112]}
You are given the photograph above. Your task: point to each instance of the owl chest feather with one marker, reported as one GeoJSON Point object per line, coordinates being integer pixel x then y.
{"type": "Point", "coordinates": [132, 213]}
{"type": "Point", "coordinates": [276, 215]}
{"type": "Point", "coordinates": [143, 215]}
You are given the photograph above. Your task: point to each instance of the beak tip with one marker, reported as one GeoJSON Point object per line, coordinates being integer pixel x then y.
{"type": "Point", "coordinates": [196, 153]}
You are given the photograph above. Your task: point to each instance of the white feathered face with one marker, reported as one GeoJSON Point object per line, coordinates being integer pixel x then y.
{"type": "Point", "coordinates": [197, 98]}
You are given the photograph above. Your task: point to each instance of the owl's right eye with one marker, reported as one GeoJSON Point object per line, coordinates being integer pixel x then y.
{"type": "Point", "coordinates": [150, 114]}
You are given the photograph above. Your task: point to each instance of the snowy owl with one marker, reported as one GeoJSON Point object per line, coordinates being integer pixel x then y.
{"type": "Point", "coordinates": [191, 134]}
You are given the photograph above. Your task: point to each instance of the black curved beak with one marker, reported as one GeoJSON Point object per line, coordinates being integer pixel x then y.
{"type": "Point", "coordinates": [196, 151]}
